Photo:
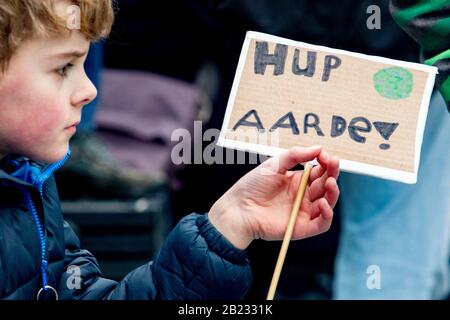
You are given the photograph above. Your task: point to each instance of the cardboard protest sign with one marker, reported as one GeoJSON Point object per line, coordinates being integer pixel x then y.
{"type": "Point", "coordinates": [369, 111]}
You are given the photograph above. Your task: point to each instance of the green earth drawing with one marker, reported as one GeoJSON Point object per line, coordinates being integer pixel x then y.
{"type": "Point", "coordinates": [393, 83]}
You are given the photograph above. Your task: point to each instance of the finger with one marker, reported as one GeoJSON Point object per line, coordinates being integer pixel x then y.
{"type": "Point", "coordinates": [333, 167]}
{"type": "Point", "coordinates": [317, 207]}
{"type": "Point", "coordinates": [332, 191]}
{"type": "Point", "coordinates": [323, 158]}
{"type": "Point", "coordinates": [321, 223]}
{"type": "Point", "coordinates": [317, 188]}
{"type": "Point", "coordinates": [325, 210]}
{"type": "Point", "coordinates": [294, 156]}
{"type": "Point", "coordinates": [317, 172]}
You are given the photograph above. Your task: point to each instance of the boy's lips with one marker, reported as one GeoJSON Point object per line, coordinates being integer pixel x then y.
{"type": "Point", "coordinates": [73, 125]}
{"type": "Point", "coordinates": [72, 128]}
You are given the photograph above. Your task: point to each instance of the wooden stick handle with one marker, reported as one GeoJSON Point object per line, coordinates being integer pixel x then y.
{"type": "Point", "coordinates": [289, 231]}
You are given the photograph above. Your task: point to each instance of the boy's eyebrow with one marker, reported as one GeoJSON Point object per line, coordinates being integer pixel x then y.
{"type": "Point", "coordinates": [70, 54]}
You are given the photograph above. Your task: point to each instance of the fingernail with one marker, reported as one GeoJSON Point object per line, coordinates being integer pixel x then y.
{"type": "Point", "coordinates": [314, 148]}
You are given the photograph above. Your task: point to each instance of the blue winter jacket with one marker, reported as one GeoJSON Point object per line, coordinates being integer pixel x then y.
{"type": "Point", "coordinates": [37, 248]}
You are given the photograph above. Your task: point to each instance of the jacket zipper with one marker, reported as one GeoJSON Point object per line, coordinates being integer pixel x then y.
{"type": "Point", "coordinates": [42, 238]}
{"type": "Point", "coordinates": [39, 183]}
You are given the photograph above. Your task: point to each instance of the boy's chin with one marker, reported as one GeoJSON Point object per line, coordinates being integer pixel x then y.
{"type": "Point", "coordinates": [51, 157]}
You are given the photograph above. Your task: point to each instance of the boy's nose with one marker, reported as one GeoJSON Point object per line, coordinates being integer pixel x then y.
{"type": "Point", "coordinates": [85, 93]}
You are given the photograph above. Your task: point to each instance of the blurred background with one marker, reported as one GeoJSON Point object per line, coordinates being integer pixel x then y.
{"type": "Point", "coordinates": [166, 65]}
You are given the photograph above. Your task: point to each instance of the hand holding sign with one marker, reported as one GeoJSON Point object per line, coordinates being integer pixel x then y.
{"type": "Point", "coordinates": [259, 204]}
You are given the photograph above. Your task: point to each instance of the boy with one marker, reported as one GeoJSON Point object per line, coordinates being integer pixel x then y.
{"type": "Point", "coordinates": [43, 88]}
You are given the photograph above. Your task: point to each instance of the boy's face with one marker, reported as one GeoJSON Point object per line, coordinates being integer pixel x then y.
{"type": "Point", "coordinates": [41, 96]}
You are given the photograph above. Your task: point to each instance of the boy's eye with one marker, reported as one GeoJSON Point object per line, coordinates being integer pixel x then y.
{"type": "Point", "coordinates": [64, 70]}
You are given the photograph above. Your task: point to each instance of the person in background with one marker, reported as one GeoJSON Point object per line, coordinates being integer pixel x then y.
{"type": "Point", "coordinates": [395, 238]}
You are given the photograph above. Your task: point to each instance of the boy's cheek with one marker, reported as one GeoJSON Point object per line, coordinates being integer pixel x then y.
{"type": "Point", "coordinates": [41, 127]}
{"type": "Point", "coordinates": [29, 128]}
{"type": "Point", "coordinates": [33, 116]}
{"type": "Point", "coordinates": [36, 143]}
{"type": "Point", "coordinates": [16, 97]}
{"type": "Point", "coordinates": [30, 106]}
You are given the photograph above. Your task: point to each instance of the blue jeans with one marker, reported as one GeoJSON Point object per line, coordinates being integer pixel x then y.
{"type": "Point", "coordinates": [403, 230]}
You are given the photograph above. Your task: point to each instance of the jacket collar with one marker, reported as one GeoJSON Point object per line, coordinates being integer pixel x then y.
{"type": "Point", "coordinates": [23, 171]}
